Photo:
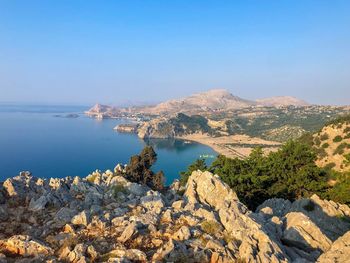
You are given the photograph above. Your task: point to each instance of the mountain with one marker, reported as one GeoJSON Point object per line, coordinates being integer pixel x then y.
{"type": "Point", "coordinates": [282, 101]}
{"type": "Point", "coordinates": [216, 99]}
{"type": "Point", "coordinates": [203, 102]}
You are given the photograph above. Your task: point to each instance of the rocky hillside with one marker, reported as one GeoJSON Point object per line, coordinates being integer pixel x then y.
{"type": "Point", "coordinates": [282, 101]}
{"type": "Point", "coordinates": [332, 143]}
{"type": "Point", "coordinates": [105, 218]}
{"type": "Point", "coordinates": [181, 124]}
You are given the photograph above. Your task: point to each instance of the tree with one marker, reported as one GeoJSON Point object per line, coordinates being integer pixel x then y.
{"type": "Point", "coordinates": [139, 169]}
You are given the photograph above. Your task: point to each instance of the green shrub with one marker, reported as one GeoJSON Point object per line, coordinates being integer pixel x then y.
{"type": "Point", "coordinates": [341, 147]}
{"type": "Point", "coordinates": [347, 129]}
{"type": "Point", "coordinates": [337, 138]}
{"type": "Point", "coordinates": [324, 137]}
{"type": "Point", "coordinates": [325, 145]}
{"type": "Point", "coordinates": [329, 166]}
{"type": "Point", "coordinates": [317, 141]}
{"type": "Point", "coordinates": [347, 136]}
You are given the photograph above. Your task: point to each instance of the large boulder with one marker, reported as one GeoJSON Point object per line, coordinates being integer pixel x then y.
{"type": "Point", "coordinates": [302, 233]}
{"type": "Point", "coordinates": [339, 251]}
{"type": "Point", "coordinates": [207, 191]}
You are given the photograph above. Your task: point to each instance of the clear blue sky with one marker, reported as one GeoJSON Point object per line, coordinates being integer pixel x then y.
{"type": "Point", "coordinates": [117, 51]}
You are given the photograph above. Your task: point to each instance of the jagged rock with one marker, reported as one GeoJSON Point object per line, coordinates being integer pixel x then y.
{"type": "Point", "coordinates": [339, 251]}
{"type": "Point", "coordinates": [165, 250]}
{"type": "Point", "coordinates": [183, 233]}
{"type": "Point", "coordinates": [128, 232]}
{"type": "Point", "coordinates": [204, 188]}
{"type": "Point", "coordinates": [152, 201]}
{"type": "Point", "coordinates": [38, 204]}
{"type": "Point", "coordinates": [274, 207]}
{"type": "Point", "coordinates": [300, 232]}
{"type": "Point", "coordinates": [81, 219]}
{"type": "Point", "coordinates": [24, 246]}
{"type": "Point", "coordinates": [327, 215]}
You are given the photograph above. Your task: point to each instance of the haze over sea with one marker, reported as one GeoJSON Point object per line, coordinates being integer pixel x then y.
{"type": "Point", "coordinates": [33, 138]}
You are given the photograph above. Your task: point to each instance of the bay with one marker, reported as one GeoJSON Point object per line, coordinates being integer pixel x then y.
{"type": "Point", "coordinates": [41, 139]}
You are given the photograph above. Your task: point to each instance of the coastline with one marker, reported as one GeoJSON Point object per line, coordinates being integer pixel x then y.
{"type": "Point", "coordinates": [232, 146]}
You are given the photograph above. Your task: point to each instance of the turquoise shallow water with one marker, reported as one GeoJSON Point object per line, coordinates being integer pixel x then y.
{"type": "Point", "coordinates": [33, 139]}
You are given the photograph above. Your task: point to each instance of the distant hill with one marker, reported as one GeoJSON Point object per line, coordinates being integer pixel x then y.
{"type": "Point", "coordinates": [209, 101]}
{"type": "Point", "coordinates": [216, 99]}
{"type": "Point", "coordinates": [282, 101]}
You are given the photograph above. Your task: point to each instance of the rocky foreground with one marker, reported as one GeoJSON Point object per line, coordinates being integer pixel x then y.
{"type": "Point", "coordinates": [105, 218]}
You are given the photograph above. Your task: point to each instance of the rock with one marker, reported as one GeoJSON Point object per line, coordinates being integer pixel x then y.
{"type": "Point", "coordinates": [327, 215]}
{"type": "Point", "coordinates": [302, 233]}
{"type": "Point", "coordinates": [207, 190]}
{"type": "Point", "coordinates": [152, 201]}
{"type": "Point", "coordinates": [182, 234]}
{"type": "Point", "coordinates": [92, 252]}
{"type": "Point", "coordinates": [164, 251]}
{"type": "Point", "coordinates": [3, 213]}
{"type": "Point", "coordinates": [128, 232]}
{"type": "Point", "coordinates": [274, 207]}
{"type": "Point", "coordinates": [339, 251]}
{"type": "Point", "coordinates": [24, 246]}
{"type": "Point", "coordinates": [81, 219]}
{"type": "Point", "coordinates": [38, 204]}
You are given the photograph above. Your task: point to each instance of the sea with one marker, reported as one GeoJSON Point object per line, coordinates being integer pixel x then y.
{"type": "Point", "coordinates": [59, 141]}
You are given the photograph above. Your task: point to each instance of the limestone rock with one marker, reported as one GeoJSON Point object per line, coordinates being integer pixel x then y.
{"type": "Point", "coordinates": [339, 251]}
{"type": "Point", "coordinates": [182, 234]}
{"type": "Point", "coordinates": [302, 233]}
{"type": "Point", "coordinates": [25, 246]}
{"type": "Point", "coordinates": [81, 219]}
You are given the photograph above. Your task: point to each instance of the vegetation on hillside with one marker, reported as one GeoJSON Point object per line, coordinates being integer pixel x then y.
{"type": "Point", "coordinates": [289, 173]}
{"type": "Point", "coordinates": [185, 124]}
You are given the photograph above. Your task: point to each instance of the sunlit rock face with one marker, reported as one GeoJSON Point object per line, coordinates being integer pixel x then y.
{"type": "Point", "coordinates": [106, 218]}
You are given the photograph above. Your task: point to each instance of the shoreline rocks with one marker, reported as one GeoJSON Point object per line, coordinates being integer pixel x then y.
{"type": "Point", "coordinates": [105, 218]}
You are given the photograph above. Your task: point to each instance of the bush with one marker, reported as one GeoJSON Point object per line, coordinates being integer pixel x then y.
{"type": "Point", "coordinates": [324, 137]}
{"type": "Point", "coordinates": [337, 138]}
{"type": "Point", "coordinates": [347, 129]}
{"type": "Point", "coordinates": [329, 166]}
{"type": "Point", "coordinates": [341, 147]}
{"type": "Point", "coordinates": [325, 145]}
{"type": "Point", "coordinates": [317, 141]}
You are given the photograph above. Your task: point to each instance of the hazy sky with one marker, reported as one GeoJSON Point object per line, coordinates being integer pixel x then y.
{"type": "Point", "coordinates": [117, 51]}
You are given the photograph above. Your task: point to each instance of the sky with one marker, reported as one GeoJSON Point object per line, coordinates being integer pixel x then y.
{"type": "Point", "coordinates": [117, 52]}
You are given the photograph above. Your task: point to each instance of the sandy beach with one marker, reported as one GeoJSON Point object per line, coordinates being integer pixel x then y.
{"type": "Point", "coordinates": [234, 145]}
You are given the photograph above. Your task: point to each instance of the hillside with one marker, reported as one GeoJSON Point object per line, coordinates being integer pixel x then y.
{"type": "Point", "coordinates": [332, 143]}
{"type": "Point", "coordinates": [282, 101]}
{"type": "Point", "coordinates": [106, 218]}
{"type": "Point", "coordinates": [204, 102]}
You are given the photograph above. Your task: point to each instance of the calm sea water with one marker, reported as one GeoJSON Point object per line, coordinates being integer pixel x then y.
{"type": "Point", "coordinates": [33, 139]}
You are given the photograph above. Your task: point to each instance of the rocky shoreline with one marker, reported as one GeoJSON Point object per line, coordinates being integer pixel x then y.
{"type": "Point", "coordinates": [105, 218]}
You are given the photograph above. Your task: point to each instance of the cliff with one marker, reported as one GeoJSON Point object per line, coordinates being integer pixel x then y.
{"type": "Point", "coordinates": [105, 218]}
